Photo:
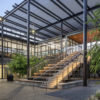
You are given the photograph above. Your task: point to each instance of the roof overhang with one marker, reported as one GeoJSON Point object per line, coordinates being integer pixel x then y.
{"type": "Point", "coordinates": [46, 17]}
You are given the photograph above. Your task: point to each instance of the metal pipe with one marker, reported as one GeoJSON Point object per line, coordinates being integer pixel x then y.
{"type": "Point", "coordinates": [68, 18]}
{"type": "Point", "coordinates": [34, 45]}
{"type": "Point", "coordinates": [28, 38]}
{"type": "Point", "coordinates": [61, 40]}
{"type": "Point", "coordinates": [2, 55]}
{"type": "Point", "coordinates": [85, 42]}
{"type": "Point", "coordinates": [14, 10]}
{"type": "Point", "coordinates": [66, 45]}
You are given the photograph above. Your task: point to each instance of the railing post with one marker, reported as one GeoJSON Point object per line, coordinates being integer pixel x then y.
{"type": "Point", "coordinates": [66, 45]}
{"type": "Point", "coordinates": [85, 42]}
{"type": "Point", "coordinates": [7, 48]}
{"type": "Point", "coordinates": [41, 50]}
{"type": "Point", "coordinates": [37, 51]}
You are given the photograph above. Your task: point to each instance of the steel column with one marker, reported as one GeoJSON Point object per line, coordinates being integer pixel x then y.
{"type": "Point", "coordinates": [66, 45]}
{"type": "Point", "coordinates": [2, 55]}
{"type": "Point", "coordinates": [28, 38]}
{"type": "Point", "coordinates": [61, 39]}
{"type": "Point", "coordinates": [85, 42]}
{"type": "Point", "coordinates": [34, 46]}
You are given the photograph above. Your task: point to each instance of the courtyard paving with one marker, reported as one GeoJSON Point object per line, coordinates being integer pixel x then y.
{"type": "Point", "coordinates": [16, 91]}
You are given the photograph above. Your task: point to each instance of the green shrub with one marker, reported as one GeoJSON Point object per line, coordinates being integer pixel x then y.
{"type": "Point", "coordinates": [19, 64]}
{"type": "Point", "coordinates": [97, 95]}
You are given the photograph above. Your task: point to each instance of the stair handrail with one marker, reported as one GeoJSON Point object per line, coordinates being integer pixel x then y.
{"type": "Point", "coordinates": [36, 66]}
{"type": "Point", "coordinates": [57, 64]}
{"type": "Point", "coordinates": [47, 61]}
{"type": "Point", "coordinates": [55, 68]}
{"type": "Point", "coordinates": [73, 59]}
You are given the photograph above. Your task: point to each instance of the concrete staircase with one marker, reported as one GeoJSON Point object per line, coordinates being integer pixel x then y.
{"type": "Point", "coordinates": [52, 74]}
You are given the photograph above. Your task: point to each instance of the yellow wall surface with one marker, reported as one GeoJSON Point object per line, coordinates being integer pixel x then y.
{"type": "Point", "coordinates": [4, 71]}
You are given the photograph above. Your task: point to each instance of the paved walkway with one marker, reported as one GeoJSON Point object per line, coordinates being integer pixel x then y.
{"type": "Point", "coordinates": [13, 91]}
{"type": "Point", "coordinates": [78, 93]}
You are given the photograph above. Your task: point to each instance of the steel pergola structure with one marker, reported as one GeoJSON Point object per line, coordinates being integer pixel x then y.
{"type": "Point", "coordinates": [38, 20]}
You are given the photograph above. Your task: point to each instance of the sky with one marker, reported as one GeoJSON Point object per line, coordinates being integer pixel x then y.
{"type": "Point", "coordinates": [7, 5]}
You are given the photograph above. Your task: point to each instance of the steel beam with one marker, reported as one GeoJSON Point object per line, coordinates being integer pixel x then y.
{"type": "Point", "coordinates": [14, 10]}
{"type": "Point", "coordinates": [66, 12]}
{"type": "Point", "coordinates": [39, 18]}
{"type": "Point", "coordinates": [15, 34]}
{"type": "Point", "coordinates": [19, 30]}
{"type": "Point", "coordinates": [69, 10]}
{"type": "Point", "coordinates": [15, 38]}
{"type": "Point", "coordinates": [70, 17]}
{"type": "Point", "coordinates": [50, 13]}
{"type": "Point", "coordinates": [32, 23]}
{"type": "Point", "coordinates": [85, 42]}
{"type": "Point", "coordinates": [25, 27]}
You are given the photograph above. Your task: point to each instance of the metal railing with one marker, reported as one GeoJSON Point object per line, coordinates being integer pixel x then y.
{"type": "Point", "coordinates": [56, 66]}
{"type": "Point", "coordinates": [77, 59]}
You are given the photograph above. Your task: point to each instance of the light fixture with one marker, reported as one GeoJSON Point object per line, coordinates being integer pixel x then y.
{"type": "Point", "coordinates": [1, 19]}
{"type": "Point", "coordinates": [33, 31]}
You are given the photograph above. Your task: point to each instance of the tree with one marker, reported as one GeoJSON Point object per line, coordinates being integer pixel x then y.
{"type": "Point", "coordinates": [19, 64]}
{"type": "Point", "coordinates": [95, 50]}
{"type": "Point", "coordinates": [95, 59]}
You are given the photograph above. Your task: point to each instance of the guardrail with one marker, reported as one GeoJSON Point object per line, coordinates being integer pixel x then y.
{"type": "Point", "coordinates": [80, 47]}
{"type": "Point", "coordinates": [69, 50]}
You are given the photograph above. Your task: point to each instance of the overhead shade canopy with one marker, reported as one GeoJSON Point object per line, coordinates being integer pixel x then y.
{"type": "Point", "coordinates": [46, 17]}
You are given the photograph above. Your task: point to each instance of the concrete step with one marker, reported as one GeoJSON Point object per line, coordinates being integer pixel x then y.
{"type": "Point", "coordinates": [70, 84]}
{"type": "Point", "coordinates": [41, 78]}
{"type": "Point", "coordinates": [46, 68]}
{"type": "Point", "coordinates": [45, 74]}
{"type": "Point", "coordinates": [35, 83]}
{"type": "Point", "coordinates": [52, 71]}
{"type": "Point", "coordinates": [50, 65]}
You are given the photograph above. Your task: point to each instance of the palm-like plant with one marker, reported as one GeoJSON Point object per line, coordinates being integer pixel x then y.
{"type": "Point", "coordinates": [95, 59]}
{"type": "Point", "coordinates": [95, 50]}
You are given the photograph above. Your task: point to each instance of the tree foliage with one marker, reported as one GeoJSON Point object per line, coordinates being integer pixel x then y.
{"type": "Point", "coordinates": [95, 59]}
{"type": "Point", "coordinates": [19, 64]}
{"type": "Point", "coordinates": [95, 50]}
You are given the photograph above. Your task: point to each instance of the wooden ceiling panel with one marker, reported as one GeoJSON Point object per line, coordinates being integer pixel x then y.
{"type": "Point", "coordinates": [79, 37]}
